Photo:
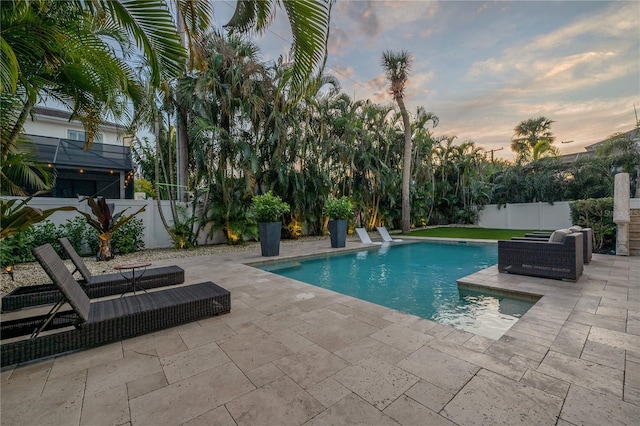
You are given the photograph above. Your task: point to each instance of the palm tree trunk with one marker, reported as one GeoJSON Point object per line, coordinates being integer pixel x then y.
{"type": "Point", "coordinates": [406, 167]}
{"type": "Point", "coordinates": [104, 249]}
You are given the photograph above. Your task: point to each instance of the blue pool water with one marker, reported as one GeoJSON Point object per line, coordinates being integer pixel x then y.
{"type": "Point", "coordinates": [418, 279]}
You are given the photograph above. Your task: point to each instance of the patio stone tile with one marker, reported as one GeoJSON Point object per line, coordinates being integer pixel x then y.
{"type": "Point", "coordinates": [146, 384]}
{"type": "Point", "coordinates": [211, 330]}
{"type": "Point", "coordinates": [346, 331]}
{"type": "Point", "coordinates": [292, 340]}
{"type": "Point", "coordinates": [279, 320]}
{"type": "Point", "coordinates": [188, 363]}
{"type": "Point", "coordinates": [397, 317]}
{"type": "Point", "coordinates": [459, 337]}
{"type": "Point", "coordinates": [632, 395]}
{"type": "Point", "coordinates": [614, 324]}
{"type": "Point", "coordinates": [281, 402]}
{"type": "Point", "coordinates": [250, 352]}
{"type": "Point", "coordinates": [353, 411]}
{"type": "Point", "coordinates": [110, 407]}
{"type": "Point", "coordinates": [491, 399]}
{"type": "Point", "coordinates": [358, 350]}
{"type": "Point", "coordinates": [116, 373]}
{"type": "Point", "coordinates": [496, 365]}
{"type": "Point", "coordinates": [366, 317]}
{"type": "Point", "coordinates": [216, 417]}
{"type": "Point", "coordinates": [429, 395]}
{"type": "Point", "coordinates": [408, 412]}
{"type": "Point", "coordinates": [27, 385]}
{"type": "Point", "coordinates": [310, 365]}
{"type": "Point", "coordinates": [238, 317]}
{"type": "Point", "coordinates": [618, 303]}
{"type": "Point", "coordinates": [545, 383]}
{"type": "Point", "coordinates": [607, 311]}
{"type": "Point", "coordinates": [479, 343]}
{"type": "Point", "coordinates": [505, 350]}
{"type": "Point", "coordinates": [632, 374]}
{"type": "Point", "coordinates": [328, 391]}
{"type": "Point", "coordinates": [189, 398]}
{"type": "Point", "coordinates": [571, 339]}
{"type": "Point", "coordinates": [59, 404]}
{"type": "Point", "coordinates": [585, 406]}
{"type": "Point", "coordinates": [162, 343]}
{"type": "Point", "coordinates": [583, 373]}
{"type": "Point", "coordinates": [440, 331]}
{"type": "Point", "coordinates": [524, 362]}
{"type": "Point", "coordinates": [525, 337]}
{"type": "Point", "coordinates": [422, 325]}
{"type": "Point", "coordinates": [588, 304]}
{"type": "Point", "coordinates": [402, 338]}
{"type": "Point", "coordinates": [377, 382]}
{"type": "Point", "coordinates": [443, 370]}
{"type": "Point", "coordinates": [616, 339]}
{"type": "Point", "coordinates": [603, 354]}
{"type": "Point", "coordinates": [265, 374]}
{"type": "Point", "coordinates": [389, 354]}
{"type": "Point", "coordinates": [79, 361]}
{"type": "Point", "coordinates": [326, 339]}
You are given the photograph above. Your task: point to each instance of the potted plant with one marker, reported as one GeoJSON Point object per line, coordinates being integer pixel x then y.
{"type": "Point", "coordinates": [268, 210]}
{"type": "Point", "coordinates": [339, 211]}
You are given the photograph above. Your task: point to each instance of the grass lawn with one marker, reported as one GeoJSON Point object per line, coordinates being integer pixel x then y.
{"type": "Point", "coordinates": [476, 233]}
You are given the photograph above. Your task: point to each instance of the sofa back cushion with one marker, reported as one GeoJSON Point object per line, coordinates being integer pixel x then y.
{"type": "Point", "coordinates": [559, 236]}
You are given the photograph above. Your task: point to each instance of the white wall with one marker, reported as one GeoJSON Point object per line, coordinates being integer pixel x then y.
{"type": "Point", "coordinates": [57, 128]}
{"type": "Point", "coordinates": [541, 216]}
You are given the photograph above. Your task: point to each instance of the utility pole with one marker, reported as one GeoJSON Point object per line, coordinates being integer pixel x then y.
{"type": "Point", "coordinates": [493, 150]}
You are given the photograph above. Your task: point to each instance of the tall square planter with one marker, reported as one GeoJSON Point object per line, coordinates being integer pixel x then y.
{"type": "Point", "coordinates": [270, 238]}
{"type": "Point", "coordinates": [338, 231]}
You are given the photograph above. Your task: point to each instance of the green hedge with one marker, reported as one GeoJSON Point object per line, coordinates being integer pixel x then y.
{"type": "Point", "coordinates": [597, 214]}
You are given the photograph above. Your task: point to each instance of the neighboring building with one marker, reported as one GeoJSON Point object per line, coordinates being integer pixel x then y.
{"type": "Point", "coordinates": [105, 169]}
{"type": "Point", "coordinates": [590, 150]}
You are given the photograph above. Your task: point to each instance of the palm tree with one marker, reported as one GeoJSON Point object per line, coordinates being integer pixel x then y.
{"type": "Point", "coordinates": [528, 133]}
{"type": "Point", "coordinates": [397, 67]}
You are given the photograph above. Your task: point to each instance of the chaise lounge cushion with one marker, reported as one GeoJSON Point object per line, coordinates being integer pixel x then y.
{"type": "Point", "coordinates": [559, 236]}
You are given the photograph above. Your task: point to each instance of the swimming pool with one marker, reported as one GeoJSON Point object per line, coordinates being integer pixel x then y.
{"type": "Point", "coordinates": [416, 278]}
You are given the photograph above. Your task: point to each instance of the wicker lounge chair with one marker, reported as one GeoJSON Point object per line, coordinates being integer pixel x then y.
{"type": "Point", "coordinates": [384, 234]}
{"type": "Point", "coordinates": [94, 285]}
{"type": "Point", "coordinates": [557, 260]}
{"type": "Point", "coordinates": [104, 321]}
{"type": "Point", "coordinates": [587, 240]}
{"type": "Point", "coordinates": [364, 236]}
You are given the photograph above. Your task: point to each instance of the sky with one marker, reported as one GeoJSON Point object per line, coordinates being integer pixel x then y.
{"type": "Point", "coordinates": [482, 67]}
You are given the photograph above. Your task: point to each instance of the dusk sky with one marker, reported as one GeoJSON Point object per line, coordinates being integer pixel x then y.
{"type": "Point", "coordinates": [484, 66]}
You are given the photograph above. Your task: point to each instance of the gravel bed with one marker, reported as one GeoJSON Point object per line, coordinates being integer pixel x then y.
{"type": "Point", "coordinates": [32, 273]}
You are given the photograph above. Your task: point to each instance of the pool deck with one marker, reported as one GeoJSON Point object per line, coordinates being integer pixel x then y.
{"type": "Point", "coordinates": [293, 354]}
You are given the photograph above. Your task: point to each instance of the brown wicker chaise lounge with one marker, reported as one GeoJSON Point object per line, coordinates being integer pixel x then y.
{"type": "Point", "coordinates": [104, 321]}
{"type": "Point", "coordinates": [557, 260]}
{"type": "Point", "coordinates": [94, 285]}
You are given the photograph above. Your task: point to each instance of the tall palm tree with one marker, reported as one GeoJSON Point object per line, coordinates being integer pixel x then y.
{"type": "Point", "coordinates": [397, 66]}
{"type": "Point", "coordinates": [528, 133]}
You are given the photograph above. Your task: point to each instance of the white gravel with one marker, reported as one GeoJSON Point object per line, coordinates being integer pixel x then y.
{"type": "Point", "coordinates": [32, 273]}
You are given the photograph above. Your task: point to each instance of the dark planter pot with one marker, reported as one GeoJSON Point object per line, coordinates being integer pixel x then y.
{"type": "Point", "coordinates": [270, 237]}
{"type": "Point", "coordinates": [338, 231]}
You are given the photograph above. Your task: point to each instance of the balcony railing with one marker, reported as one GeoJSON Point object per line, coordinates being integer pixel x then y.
{"type": "Point", "coordinates": [67, 152]}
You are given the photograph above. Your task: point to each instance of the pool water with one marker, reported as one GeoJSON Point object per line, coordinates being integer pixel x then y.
{"type": "Point", "coordinates": [418, 279]}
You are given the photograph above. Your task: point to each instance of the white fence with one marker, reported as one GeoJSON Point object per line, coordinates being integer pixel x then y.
{"type": "Point", "coordinates": [155, 235]}
{"type": "Point", "coordinates": [542, 216]}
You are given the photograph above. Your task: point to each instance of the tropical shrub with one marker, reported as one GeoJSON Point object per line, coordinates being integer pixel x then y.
{"type": "Point", "coordinates": [128, 238]}
{"type": "Point", "coordinates": [338, 208]}
{"type": "Point", "coordinates": [268, 207]}
{"type": "Point", "coordinates": [597, 214]}
{"type": "Point", "coordinates": [82, 237]}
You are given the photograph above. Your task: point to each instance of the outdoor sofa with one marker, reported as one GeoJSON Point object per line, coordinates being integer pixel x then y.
{"type": "Point", "coordinates": [88, 324]}
{"type": "Point", "coordinates": [560, 257]}
{"type": "Point", "coordinates": [587, 240]}
{"type": "Point", "coordinates": [94, 285]}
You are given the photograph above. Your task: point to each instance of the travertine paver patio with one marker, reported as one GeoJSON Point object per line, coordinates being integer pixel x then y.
{"type": "Point", "coordinates": [293, 354]}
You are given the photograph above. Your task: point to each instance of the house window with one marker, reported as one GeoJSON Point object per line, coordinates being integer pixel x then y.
{"type": "Point", "coordinates": [78, 135]}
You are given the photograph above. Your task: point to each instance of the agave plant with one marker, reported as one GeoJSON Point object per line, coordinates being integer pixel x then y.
{"type": "Point", "coordinates": [105, 222]}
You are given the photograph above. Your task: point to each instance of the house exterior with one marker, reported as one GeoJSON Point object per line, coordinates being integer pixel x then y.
{"type": "Point", "coordinates": [105, 169]}
{"type": "Point", "coordinates": [590, 150]}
